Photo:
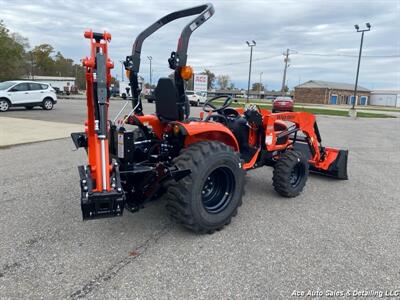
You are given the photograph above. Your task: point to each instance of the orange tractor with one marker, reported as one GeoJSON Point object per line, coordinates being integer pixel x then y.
{"type": "Point", "coordinates": [197, 164]}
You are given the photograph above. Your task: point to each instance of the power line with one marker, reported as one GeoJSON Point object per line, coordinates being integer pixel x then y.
{"type": "Point", "coordinates": [345, 55]}
{"type": "Point", "coordinates": [300, 54]}
{"type": "Point", "coordinates": [240, 62]}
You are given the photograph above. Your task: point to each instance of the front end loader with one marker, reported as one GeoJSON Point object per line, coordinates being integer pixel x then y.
{"type": "Point", "coordinates": [196, 164]}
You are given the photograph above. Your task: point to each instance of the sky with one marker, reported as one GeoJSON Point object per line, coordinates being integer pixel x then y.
{"type": "Point", "coordinates": [319, 33]}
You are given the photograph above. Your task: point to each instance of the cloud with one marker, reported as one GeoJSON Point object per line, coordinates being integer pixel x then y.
{"type": "Point", "coordinates": [305, 27]}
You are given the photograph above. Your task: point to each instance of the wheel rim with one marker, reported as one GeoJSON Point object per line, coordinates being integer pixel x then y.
{"type": "Point", "coordinates": [218, 190]}
{"type": "Point", "coordinates": [3, 105]}
{"type": "Point", "coordinates": [48, 104]}
{"type": "Point", "coordinates": [296, 175]}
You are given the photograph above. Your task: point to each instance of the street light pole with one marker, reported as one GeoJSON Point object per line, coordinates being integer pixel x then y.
{"type": "Point", "coordinates": [251, 45]}
{"type": "Point", "coordinates": [352, 111]}
{"type": "Point", "coordinates": [259, 86]}
{"type": "Point", "coordinates": [150, 58]}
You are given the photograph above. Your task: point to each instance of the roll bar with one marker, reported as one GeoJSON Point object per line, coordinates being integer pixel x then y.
{"type": "Point", "coordinates": [204, 11]}
{"type": "Point", "coordinates": [177, 59]}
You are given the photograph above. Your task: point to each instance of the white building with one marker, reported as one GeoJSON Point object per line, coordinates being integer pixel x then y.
{"type": "Point", "coordinates": [63, 83]}
{"type": "Point", "coordinates": [385, 98]}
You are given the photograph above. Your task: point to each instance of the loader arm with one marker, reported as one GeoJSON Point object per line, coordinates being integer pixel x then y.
{"type": "Point", "coordinates": [326, 160]}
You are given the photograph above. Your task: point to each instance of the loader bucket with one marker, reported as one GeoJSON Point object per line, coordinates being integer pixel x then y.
{"type": "Point", "coordinates": [336, 160]}
{"type": "Point", "coordinates": [337, 168]}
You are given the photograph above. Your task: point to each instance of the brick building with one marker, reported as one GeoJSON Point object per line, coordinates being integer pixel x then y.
{"type": "Point", "coordinates": [324, 92]}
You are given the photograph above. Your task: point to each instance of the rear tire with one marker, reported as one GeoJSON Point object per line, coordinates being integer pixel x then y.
{"type": "Point", "coordinates": [290, 174]}
{"type": "Point", "coordinates": [4, 105]}
{"type": "Point", "coordinates": [208, 198]}
{"type": "Point", "coordinates": [47, 104]}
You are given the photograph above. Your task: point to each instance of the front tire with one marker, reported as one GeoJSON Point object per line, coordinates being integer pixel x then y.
{"type": "Point", "coordinates": [290, 174]}
{"type": "Point", "coordinates": [4, 105]}
{"type": "Point", "coordinates": [47, 104]}
{"type": "Point", "coordinates": [208, 198]}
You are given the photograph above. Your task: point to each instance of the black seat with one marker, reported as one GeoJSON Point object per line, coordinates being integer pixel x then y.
{"type": "Point", "coordinates": [166, 94]}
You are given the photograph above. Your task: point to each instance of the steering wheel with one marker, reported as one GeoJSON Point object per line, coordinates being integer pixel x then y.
{"type": "Point", "coordinates": [230, 112]}
{"type": "Point", "coordinates": [210, 107]}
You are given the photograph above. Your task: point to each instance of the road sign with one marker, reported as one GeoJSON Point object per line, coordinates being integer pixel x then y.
{"type": "Point", "coordinates": [200, 83]}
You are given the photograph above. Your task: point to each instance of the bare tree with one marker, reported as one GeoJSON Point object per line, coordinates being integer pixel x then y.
{"type": "Point", "coordinates": [223, 81]}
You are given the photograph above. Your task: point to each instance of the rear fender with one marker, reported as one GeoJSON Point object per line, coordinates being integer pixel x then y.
{"type": "Point", "coordinates": [148, 120]}
{"type": "Point", "coordinates": [198, 131]}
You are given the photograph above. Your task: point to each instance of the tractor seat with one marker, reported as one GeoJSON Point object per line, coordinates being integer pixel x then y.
{"type": "Point", "coordinates": [166, 94]}
{"type": "Point", "coordinates": [240, 130]}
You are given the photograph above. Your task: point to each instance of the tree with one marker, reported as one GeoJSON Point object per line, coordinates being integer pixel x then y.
{"type": "Point", "coordinates": [211, 78]}
{"type": "Point", "coordinates": [286, 89]}
{"type": "Point", "coordinates": [63, 66]}
{"type": "Point", "coordinates": [231, 86]}
{"type": "Point", "coordinates": [257, 87]}
{"type": "Point", "coordinates": [79, 74]}
{"type": "Point", "coordinates": [223, 81]}
{"type": "Point", "coordinates": [17, 62]}
{"type": "Point", "coordinates": [12, 54]}
{"type": "Point", "coordinates": [44, 63]}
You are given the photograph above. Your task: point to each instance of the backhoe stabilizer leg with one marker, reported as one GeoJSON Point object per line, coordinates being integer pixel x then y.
{"type": "Point", "coordinates": [103, 204]}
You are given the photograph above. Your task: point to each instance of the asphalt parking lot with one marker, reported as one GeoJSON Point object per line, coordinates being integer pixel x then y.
{"type": "Point", "coordinates": [336, 236]}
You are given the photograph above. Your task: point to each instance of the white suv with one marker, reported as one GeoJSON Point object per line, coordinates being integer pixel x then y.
{"type": "Point", "coordinates": [26, 93]}
{"type": "Point", "coordinates": [196, 98]}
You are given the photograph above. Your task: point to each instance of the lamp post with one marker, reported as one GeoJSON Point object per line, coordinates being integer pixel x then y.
{"type": "Point", "coordinates": [259, 86]}
{"type": "Point", "coordinates": [251, 45]}
{"type": "Point", "coordinates": [150, 58]}
{"type": "Point", "coordinates": [368, 25]}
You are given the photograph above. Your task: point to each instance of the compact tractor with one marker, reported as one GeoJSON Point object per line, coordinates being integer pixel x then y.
{"type": "Point", "coordinates": [196, 164]}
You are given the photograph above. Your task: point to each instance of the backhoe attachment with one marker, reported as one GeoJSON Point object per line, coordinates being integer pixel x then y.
{"type": "Point", "coordinates": [101, 190]}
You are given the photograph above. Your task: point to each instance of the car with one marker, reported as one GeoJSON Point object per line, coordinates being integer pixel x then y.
{"type": "Point", "coordinates": [282, 104]}
{"type": "Point", "coordinates": [114, 91]}
{"type": "Point", "coordinates": [57, 90]}
{"type": "Point", "coordinates": [150, 97]}
{"type": "Point", "coordinates": [196, 98]}
{"type": "Point", "coordinates": [26, 93]}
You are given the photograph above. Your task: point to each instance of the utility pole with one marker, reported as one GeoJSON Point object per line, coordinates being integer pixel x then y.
{"type": "Point", "coordinates": [150, 58]}
{"type": "Point", "coordinates": [32, 74]}
{"type": "Point", "coordinates": [76, 75]}
{"type": "Point", "coordinates": [259, 86]}
{"type": "Point", "coordinates": [352, 112]}
{"type": "Point", "coordinates": [286, 60]}
{"type": "Point", "coordinates": [251, 45]}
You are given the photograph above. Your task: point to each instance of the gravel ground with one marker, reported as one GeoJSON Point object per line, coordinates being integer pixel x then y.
{"type": "Point", "coordinates": [336, 236]}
